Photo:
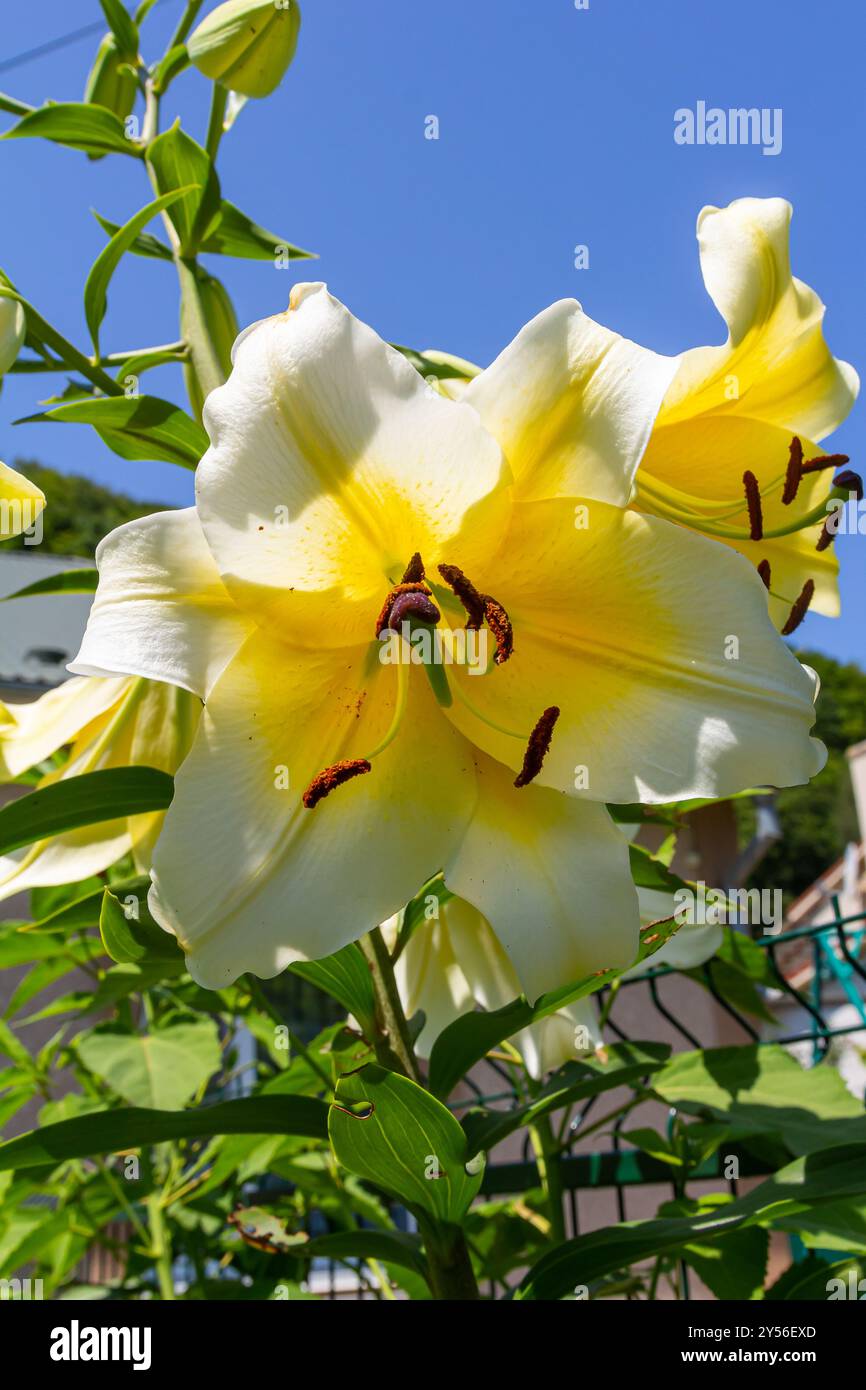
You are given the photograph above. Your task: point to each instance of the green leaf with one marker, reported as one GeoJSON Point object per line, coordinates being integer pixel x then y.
{"type": "Point", "coordinates": [178, 162]}
{"type": "Point", "coordinates": [85, 800]}
{"type": "Point", "coordinates": [116, 1130]}
{"type": "Point", "coordinates": [470, 1037]}
{"type": "Point", "coordinates": [649, 872]}
{"type": "Point", "coordinates": [763, 1089]}
{"type": "Point", "coordinates": [93, 129]}
{"type": "Point", "coordinates": [168, 68]}
{"type": "Point", "coordinates": [164, 1068]}
{"type": "Point", "coordinates": [810, 1281]}
{"type": "Point", "coordinates": [129, 934]}
{"type": "Point", "coordinates": [142, 245]}
{"type": "Point", "coordinates": [103, 268]}
{"type": "Point", "coordinates": [806, 1182]}
{"type": "Point", "coordinates": [346, 977]}
{"type": "Point", "coordinates": [80, 581]}
{"type": "Point", "coordinates": [732, 1266]}
{"type": "Point", "coordinates": [136, 427]}
{"type": "Point", "coordinates": [625, 1063]}
{"type": "Point", "coordinates": [391, 1247]}
{"type": "Point", "coordinates": [396, 1135]}
{"type": "Point", "coordinates": [123, 28]}
{"type": "Point", "coordinates": [236, 235]}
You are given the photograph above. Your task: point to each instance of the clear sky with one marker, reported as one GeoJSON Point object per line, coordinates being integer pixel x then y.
{"type": "Point", "coordinates": [556, 129]}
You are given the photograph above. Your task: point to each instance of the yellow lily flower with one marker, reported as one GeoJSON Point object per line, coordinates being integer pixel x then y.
{"type": "Point", "coordinates": [118, 722]}
{"type": "Point", "coordinates": [21, 502]}
{"type": "Point", "coordinates": [324, 785]}
{"type": "Point", "coordinates": [735, 410]}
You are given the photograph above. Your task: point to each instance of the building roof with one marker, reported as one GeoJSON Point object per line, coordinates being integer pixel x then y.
{"type": "Point", "coordinates": [38, 636]}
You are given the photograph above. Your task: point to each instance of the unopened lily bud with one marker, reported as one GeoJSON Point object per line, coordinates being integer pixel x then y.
{"type": "Point", "coordinates": [222, 327]}
{"type": "Point", "coordinates": [111, 82]}
{"type": "Point", "coordinates": [13, 327]}
{"type": "Point", "coordinates": [247, 45]}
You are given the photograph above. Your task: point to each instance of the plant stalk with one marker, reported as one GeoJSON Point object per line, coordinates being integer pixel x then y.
{"type": "Point", "coordinates": [393, 1044]}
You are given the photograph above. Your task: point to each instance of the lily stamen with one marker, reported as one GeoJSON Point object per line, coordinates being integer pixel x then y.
{"type": "Point", "coordinates": [800, 608]}
{"type": "Point", "coordinates": [822, 461]}
{"type": "Point", "coordinates": [481, 608]}
{"type": "Point", "coordinates": [764, 572]}
{"type": "Point", "coordinates": [850, 480]}
{"type": "Point", "coordinates": [414, 572]}
{"type": "Point", "coordinates": [420, 606]}
{"type": "Point", "coordinates": [753, 501]}
{"type": "Point", "coordinates": [334, 776]}
{"type": "Point", "coordinates": [536, 749]}
{"type": "Point", "coordinates": [794, 473]}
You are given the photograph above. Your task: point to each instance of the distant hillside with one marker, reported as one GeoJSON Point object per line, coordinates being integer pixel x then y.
{"type": "Point", "coordinates": [79, 512]}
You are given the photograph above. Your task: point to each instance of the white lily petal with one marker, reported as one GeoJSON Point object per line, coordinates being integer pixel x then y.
{"type": "Point", "coordinates": [161, 609]}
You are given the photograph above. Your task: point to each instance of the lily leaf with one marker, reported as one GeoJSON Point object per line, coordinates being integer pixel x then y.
{"type": "Point", "coordinates": [79, 581]}
{"type": "Point", "coordinates": [116, 1130]}
{"type": "Point", "coordinates": [136, 427]}
{"type": "Point", "coordinates": [392, 1132]}
{"type": "Point", "coordinates": [93, 129]}
{"type": "Point", "coordinates": [85, 800]}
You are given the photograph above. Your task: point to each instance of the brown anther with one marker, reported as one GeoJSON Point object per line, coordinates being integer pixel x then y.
{"type": "Point", "coordinates": [536, 748]}
{"type": "Point", "coordinates": [414, 570]}
{"type": "Point", "coordinates": [415, 587]}
{"type": "Point", "coordinates": [753, 500]}
{"type": "Point", "coordinates": [330, 777]}
{"type": "Point", "coordinates": [794, 473]}
{"type": "Point", "coordinates": [828, 532]}
{"type": "Point", "coordinates": [764, 572]}
{"type": "Point", "coordinates": [500, 625]}
{"type": "Point", "coordinates": [800, 609]}
{"type": "Point", "coordinates": [467, 593]}
{"type": "Point", "coordinates": [822, 461]}
{"type": "Point", "coordinates": [850, 480]}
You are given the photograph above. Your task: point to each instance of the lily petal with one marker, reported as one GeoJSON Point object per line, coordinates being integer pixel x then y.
{"type": "Point", "coordinates": [784, 372]}
{"type": "Point", "coordinates": [245, 875]}
{"type": "Point", "coordinates": [656, 645]}
{"type": "Point", "coordinates": [31, 732]}
{"type": "Point", "coordinates": [551, 875]}
{"type": "Point", "coordinates": [161, 609]}
{"type": "Point", "coordinates": [331, 463]}
{"type": "Point", "coordinates": [572, 405]}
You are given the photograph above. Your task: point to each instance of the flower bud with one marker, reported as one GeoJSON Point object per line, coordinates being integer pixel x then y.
{"type": "Point", "coordinates": [111, 83]}
{"type": "Point", "coordinates": [222, 326]}
{"type": "Point", "coordinates": [13, 327]}
{"type": "Point", "coordinates": [247, 45]}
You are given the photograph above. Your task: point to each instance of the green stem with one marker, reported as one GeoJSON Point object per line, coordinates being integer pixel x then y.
{"type": "Point", "coordinates": [393, 1044]}
{"type": "Point", "coordinates": [215, 131]}
{"type": "Point", "coordinates": [187, 21]}
{"type": "Point", "coordinates": [160, 1247]}
{"type": "Point", "coordinates": [448, 1262]}
{"type": "Point", "coordinates": [547, 1157]}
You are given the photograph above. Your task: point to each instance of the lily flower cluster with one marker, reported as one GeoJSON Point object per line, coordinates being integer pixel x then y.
{"type": "Point", "coordinates": [629, 530]}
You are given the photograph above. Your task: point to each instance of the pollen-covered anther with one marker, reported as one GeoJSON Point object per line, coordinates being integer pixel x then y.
{"type": "Point", "coordinates": [414, 570]}
{"type": "Point", "coordinates": [794, 473]}
{"type": "Point", "coordinates": [331, 777]}
{"type": "Point", "coordinates": [500, 625]}
{"type": "Point", "coordinates": [467, 593]}
{"type": "Point", "coordinates": [420, 606]}
{"type": "Point", "coordinates": [764, 572]}
{"type": "Point", "coordinates": [536, 749]}
{"type": "Point", "coordinates": [753, 501]}
{"type": "Point", "coordinates": [800, 608]}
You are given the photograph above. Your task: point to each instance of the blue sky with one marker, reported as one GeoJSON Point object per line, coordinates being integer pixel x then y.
{"type": "Point", "coordinates": [556, 129]}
